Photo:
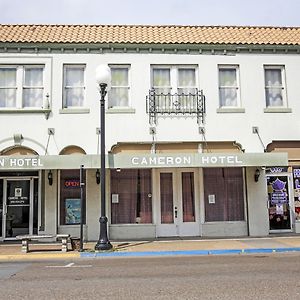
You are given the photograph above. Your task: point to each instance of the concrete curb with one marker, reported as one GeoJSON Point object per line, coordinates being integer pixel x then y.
{"type": "Point", "coordinates": [37, 256]}
{"type": "Point", "coordinates": [188, 252]}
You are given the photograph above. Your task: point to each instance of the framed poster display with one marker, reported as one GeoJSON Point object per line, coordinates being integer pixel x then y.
{"type": "Point", "coordinates": [72, 211]}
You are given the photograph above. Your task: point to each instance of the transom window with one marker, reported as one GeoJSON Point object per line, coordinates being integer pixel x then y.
{"type": "Point", "coordinates": [22, 86]}
{"type": "Point", "coordinates": [228, 86]}
{"type": "Point", "coordinates": [74, 86]}
{"type": "Point", "coordinates": [119, 94]}
{"type": "Point", "coordinates": [274, 86]}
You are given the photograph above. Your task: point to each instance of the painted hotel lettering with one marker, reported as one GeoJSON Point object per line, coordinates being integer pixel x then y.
{"type": "Point", "coordinates": [20, 162]}
{"type": "Point", "coordinates": [226, 160]}
{"type": "Point", "coordinates": [161, 160]}
{"type": "Point", "coordinates": [185, 160]}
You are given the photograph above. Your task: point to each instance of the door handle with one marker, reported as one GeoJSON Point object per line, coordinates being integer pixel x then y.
{"type": "Point", "coordinates": [175, 212]}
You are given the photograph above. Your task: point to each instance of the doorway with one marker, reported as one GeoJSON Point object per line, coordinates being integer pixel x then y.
{"type": "Point", "coordinates": [17, 212]}
{"type": "Point", "coordinates": [178, 203]}
{"type": "Point", "coordinates": [280, 202]}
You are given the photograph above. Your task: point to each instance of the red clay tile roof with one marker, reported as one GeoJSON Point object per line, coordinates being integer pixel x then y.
{"type": "Point", "coordinates": [139, 34]}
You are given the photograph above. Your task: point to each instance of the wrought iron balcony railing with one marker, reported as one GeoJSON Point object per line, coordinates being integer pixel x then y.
{"type": "Point", "coordinates": [175, 104]}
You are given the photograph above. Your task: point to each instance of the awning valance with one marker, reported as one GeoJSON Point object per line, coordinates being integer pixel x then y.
{"type": "Point", "coordinates": [170, 160]}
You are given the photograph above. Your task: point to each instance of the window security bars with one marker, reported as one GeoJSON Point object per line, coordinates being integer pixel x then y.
{"type": "Point", "coordinates": [175, 104]}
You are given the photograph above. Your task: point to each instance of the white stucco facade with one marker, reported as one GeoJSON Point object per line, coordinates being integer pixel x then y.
{"type": "Point", "coordinates": [78, 126]}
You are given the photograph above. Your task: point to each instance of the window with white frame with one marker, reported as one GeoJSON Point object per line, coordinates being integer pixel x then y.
{"type": "Point", "coordinates": [22, 86]}
{"type": "Point", "coordinates": [174, 79]}
{"type": "Point", "coordinates": [74, 86]}
{"type": "Point", "coordinates": [274, 86]}
{"type": "Point", "coordinates": [119, 94]}
{"type": "Point", "coordinates": [175, 87]}
{"type": "Point", "coordinates": [228, 87]}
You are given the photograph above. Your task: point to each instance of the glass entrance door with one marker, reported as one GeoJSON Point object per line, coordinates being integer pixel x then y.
{"type": "Point", "coordinates": [17, 207]}
{"type": "Point", "coordinates": [178, 206]}
{"type": "Point", "coordinates": [280, 202]}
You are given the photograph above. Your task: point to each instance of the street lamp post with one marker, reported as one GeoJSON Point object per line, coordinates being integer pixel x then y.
{"type": "Point", "coordinates": [103, 78]}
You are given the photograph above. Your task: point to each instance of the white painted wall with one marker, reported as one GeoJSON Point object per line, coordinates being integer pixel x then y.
{"type": "Point", "coordinates": [258, 215]}
{"type": "Point", "coordinates": [80, 129]}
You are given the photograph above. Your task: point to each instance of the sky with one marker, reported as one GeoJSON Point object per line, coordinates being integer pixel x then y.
{"type": "Point", "coordinates": [152, 12]}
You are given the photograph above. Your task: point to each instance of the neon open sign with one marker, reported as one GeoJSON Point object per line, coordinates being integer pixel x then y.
{"type": "Point", "coordinates": [72, 183]}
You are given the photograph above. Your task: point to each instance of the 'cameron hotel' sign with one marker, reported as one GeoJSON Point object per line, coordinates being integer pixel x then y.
{"type": "Point", "coordinates": [185, 160]}
{"type": "Point", "coordinates": [144, 161]}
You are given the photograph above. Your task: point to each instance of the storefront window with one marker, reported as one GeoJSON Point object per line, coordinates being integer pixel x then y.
{"type": "Point", "coordinates": [279, 202]}
{"type": "Point", "coordinates": [131, 198]}
{"type": "Point", "coordinates": [296, 180]}
{"type": "Point", "coordinates": [70, 208]}
{"type": "Point", "coordinates": [224, 194]}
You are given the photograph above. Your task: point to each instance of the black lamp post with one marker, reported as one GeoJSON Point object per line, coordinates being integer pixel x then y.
{"type": "Point", "coordinates": [103, 78]}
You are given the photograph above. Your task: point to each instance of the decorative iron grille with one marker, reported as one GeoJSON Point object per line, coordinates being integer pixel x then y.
{"type": "Point", "coordinates": [175, 104]}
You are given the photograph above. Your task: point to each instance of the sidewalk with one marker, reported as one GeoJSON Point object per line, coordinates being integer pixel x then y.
{"type": "Point", "coordinates": [158, 247]}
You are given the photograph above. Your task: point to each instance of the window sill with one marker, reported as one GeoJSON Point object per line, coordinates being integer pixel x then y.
{"type": "Point", "coordinates": [230, 110]}
{"type": "Point", "coordinates": [131, 224]}
{"type": "Point", "coordinates": [24, 110]}
{"type": "Point", "coordinates": [74, 111]}
{"type": "Point", "coordinates": [120, 110]}
{"type": "Point", "coordinates": [277, 110]}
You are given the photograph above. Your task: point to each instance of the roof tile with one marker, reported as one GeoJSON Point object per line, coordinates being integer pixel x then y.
{"type": "Point", "coordinates": [138, 34]}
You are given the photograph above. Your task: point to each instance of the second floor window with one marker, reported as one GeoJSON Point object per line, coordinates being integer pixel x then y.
{"type": "Point", "coordinates": [22, 86]}
{"type": "Point", "coordinates": [119, 93]}
{"type": "Point", "coordinates": [228, 86]}
{"type": "Point", "coordinates": [274, 86]}
{"type": "Point", "coordinates": [175, 79]}
{"type": "Point", "coordinates": [74, 86]}
{"type": "Point", "coordinates": [175, 87]}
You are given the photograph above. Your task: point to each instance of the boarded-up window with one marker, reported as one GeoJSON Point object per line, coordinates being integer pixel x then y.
{"type": "Point", "coordinates": [224, 194]}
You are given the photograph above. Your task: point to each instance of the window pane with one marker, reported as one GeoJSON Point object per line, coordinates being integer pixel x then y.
{"type": "Point", "coordinates": [187, 91]}
{"type": "Point", "coordinates": [74, 97]}
{"type": "Point", "coordinates": [166, 198]}
{"type": "Point", "coordinates": [131, 200]}
{"type": "Point", "coordinates": [225, 185]}
{"type": "Point", "coordinates": [7, 77]}
{"type": "Point", "coordinates": [8, 97]}
{"type": "Point", "coordinates": [227, 77]}
{"type": "Point", "coordinates": [118, 97]}
{"type": "Point", "coordinates": [273, 77]}
{"type": "Point", "coordinates": [161, 77]}
{"type": "Point", "coordinates": [228, 97]}
{"type": "Point", "coordinates": [188, 197]}
{"type": "Point", "coordinates": [70, 193]}
{"type": "Point", "coordinates": [33, 97]}
{"type": "Point", "coordinates": [33, 77]}
{"type": "Point", "coordinates": [186, 77]}
{"type": "Point", "coordinates": [119, 77]}
{"type": "Point", "coordinates": [274, 97]}
{"type": "Point", "coordinates": [74, 77]}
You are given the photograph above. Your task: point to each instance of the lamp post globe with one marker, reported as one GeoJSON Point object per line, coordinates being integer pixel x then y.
{"type": "Point", "coordinates": [103, 79]}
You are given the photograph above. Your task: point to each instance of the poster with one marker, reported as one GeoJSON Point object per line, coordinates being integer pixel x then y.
{"type": "Point", "coordinates": [72, 211]}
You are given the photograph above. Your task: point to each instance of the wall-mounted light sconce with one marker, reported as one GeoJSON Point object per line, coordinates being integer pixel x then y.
{"type": "Point", "coordinates": [50, 177]}
{"type": "Point", "coordinates": [256, 175]}
{"type": "Point", "coordinates": [97, 176]}
{"type": "Point", "coordinates": [18, 138]}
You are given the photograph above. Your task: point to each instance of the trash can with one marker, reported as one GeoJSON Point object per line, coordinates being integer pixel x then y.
{"type": "Point", "coordinates": [75, 243]}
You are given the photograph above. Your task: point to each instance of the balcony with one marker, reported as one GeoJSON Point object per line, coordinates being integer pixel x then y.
{"type": "Point", "coordinates": [161, 104]}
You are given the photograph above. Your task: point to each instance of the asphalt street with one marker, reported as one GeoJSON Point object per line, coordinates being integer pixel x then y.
{"type": "Point", "coordinates": [260, 276]}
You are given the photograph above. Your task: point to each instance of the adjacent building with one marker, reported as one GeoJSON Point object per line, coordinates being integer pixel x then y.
{"type": "Point", "coordinates": [202, 130]}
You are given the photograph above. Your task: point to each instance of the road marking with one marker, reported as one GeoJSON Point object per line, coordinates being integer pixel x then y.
{"type": "Point", "coordinates": [70, 265]}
